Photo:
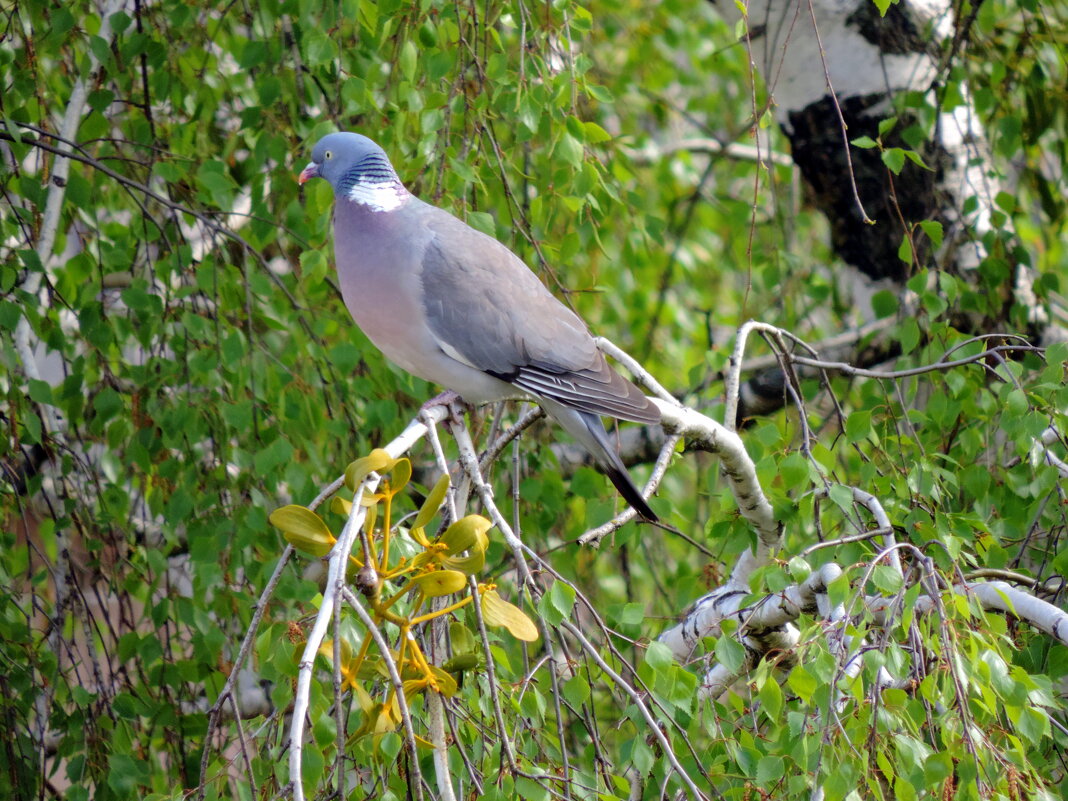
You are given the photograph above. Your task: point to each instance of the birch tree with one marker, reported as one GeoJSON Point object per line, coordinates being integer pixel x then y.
{"type": "Point", "coordinates": [237, 566]}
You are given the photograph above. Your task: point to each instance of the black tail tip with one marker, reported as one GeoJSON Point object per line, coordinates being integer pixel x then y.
{"type": "Point", "coordinates": [623, 484]}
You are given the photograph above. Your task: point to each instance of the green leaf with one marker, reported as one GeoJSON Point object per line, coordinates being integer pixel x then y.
{"type": "Point", "coordinates": [887, 579]}
{"type": "Point", "coordinates": [770, 696]}
{"type": "Point", "coordinates": [313, 267]}
{"type": "Point", "coordinates": [576, 690]}
{"type": "Point", "coordinates": [658, 656]}
{"type": "Point", "coordinates": [595, 134]}
{"type": "Point", "coordinates": [468, 565]}
{"type": "Point", "coordinates": [904, 250]}
{"type": "Point", "coordinates": [794, 470]}
{"type": "Point", "coordinates": [894, 159]}
{"type": "Point", "coordinates": [561, 598]}
{"type": "Point", "coordinates": [9, 315]}
{"type": "Point", "coordinates": [461, 662]}
{"type": "Point", "coordinates": [916, 159]}
{"type": "Point", "coordinates": [481, 221]}
{"type": "Point", "coordinates": [933, 229]}
{"type": "Point", "coordinates": [400, 475]}
{"type": "Point", "coordinates": [909, 335]}
{"type": "Point", "coordinates": [802, 683]}
{"type": "Point", "coordinates": [730, 653]}
{"type": "Point", "coordinates": [408, 58]}
{"type": "Point", "coordinates": [769, 769]}
{"type": "Point", "coordinates": [319, 49]}
{"type": "Point", "coordinates": [858, 425]}
{"type": "Point", "coordinates": [40, 391]}
{"type": "Point", "coordinates": [884, 303]}
{"type": "Point", "coordinates": [461, 638]}
{"type": "Point", "coordinates": [569, 150]}
{"type": "Point", "coordinates": [865, 142]}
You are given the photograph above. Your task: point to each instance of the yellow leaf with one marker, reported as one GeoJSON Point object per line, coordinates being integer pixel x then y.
{"type": "Point", "coordinates": [372, 669]}
{"type": "Point", "coordinates": [327, 650]}
{"type": "Point", "coordinates": [340, 506]}
{"type": "Point", "coordinates": [440, 582]}
{"type": "Point", "coordinates": [468, 565]}
{"type": "Point", "coordinates": [498, 612]}
{"type": "Point", "coordinates": [446, 683]}
{"type": "Point", "coordinates": [432, 503]}
{"type": "Point", "coordinates": [362, 698]}
{"type": "Point", "coordinates": [303, 529]}
{"type": "Point", "coordinates": [412, 688]}
{"type": "Point", "coordinates": [417, 534]}
{"type": "Point", "coordinates": [423, 559]}
{"type": "Point", "coordinates": [375, 462]}
{"type": "Point", "coordinates": [401, 475]}
{"type": "Point", "coordinates": [467, 533]}
{"type": "Point", "coordinates": [388, 717]}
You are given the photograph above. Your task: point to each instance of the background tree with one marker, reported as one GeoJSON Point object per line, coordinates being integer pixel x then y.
{"type": "Point", "coordinates": [179, 367]}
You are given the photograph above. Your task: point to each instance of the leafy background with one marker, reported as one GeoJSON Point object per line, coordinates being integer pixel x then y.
{"type": "Point", "coordinates": [207, 373]}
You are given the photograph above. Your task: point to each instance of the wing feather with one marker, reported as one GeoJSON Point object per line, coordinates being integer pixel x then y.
{"type": "Point", "coordinates": [488, 310]}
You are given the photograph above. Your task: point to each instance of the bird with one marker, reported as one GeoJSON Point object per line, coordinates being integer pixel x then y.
{"type": "Point", "coordinates": [457, 308]}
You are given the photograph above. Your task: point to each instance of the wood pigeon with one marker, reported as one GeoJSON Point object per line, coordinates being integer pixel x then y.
{"type": "Point", "coordinates": [456, 307]}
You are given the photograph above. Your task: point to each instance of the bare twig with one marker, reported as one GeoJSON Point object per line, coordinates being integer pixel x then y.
{"type": "Point", "coordinates": [594, 536]}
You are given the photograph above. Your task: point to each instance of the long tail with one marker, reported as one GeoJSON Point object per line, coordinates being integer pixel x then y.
{"type": "Point", "coordinates": [589, 431]}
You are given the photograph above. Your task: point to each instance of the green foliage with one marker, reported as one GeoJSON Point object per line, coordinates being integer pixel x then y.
{"type": "Point", "coordinates": [207, 373]}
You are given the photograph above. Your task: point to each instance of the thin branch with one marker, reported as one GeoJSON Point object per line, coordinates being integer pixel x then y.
{"type": "Point", "coordinates": [415, 777]}
{"type": "Point", "coordinates": [594, 536]}
{"type": "Point", "coordinates": [653, 153]}
{"type": "Point", "coordinates": [860, 372]}
{"type": "Point", "coordinates": [841, 118]}
{"type": "Point", "coordinates": [636, 699]}
{"type": "Point", "coordinates": [204, 219]}
{"type": "Point", "coordinates": [335, 585]}
{"type": "Point", "coordinates": [469, 460]}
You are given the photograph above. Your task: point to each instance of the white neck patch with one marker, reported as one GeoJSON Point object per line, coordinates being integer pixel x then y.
{"type": "Point", "coordinates": [384, 196]}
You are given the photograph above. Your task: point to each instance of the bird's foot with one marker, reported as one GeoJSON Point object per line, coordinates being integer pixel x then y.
{"type": "Point", "coordinates": [450, 400]}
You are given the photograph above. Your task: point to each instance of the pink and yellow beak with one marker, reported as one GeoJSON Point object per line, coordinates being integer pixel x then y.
{"type": "Point", "coordinates": [309, 172]}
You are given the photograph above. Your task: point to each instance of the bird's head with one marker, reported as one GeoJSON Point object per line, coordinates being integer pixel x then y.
{"type": "Point", "coordinates": [354, 166]}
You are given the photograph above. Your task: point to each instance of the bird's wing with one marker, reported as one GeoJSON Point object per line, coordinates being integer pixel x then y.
{"type": "Point", "coordinates": [486, 309]}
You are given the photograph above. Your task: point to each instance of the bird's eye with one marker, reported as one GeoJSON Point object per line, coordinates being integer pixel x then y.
{"type": "Point", "coordinates": [329, 154]}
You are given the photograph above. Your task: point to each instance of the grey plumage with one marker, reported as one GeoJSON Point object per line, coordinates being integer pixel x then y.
{"type": "Point", "coordinates": [456, 307]}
